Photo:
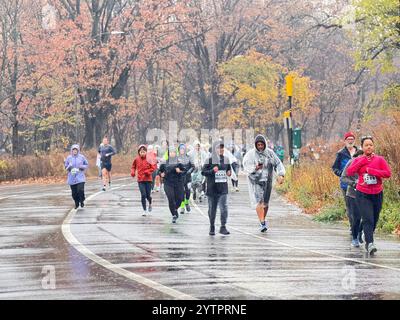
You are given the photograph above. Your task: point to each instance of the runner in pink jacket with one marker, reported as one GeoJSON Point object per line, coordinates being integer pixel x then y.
{"type": "Point", "coordinates": [371, 170]}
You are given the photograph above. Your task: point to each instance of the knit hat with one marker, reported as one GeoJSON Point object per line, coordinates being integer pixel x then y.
{"type": "Point", "coordinates": [348, 135]}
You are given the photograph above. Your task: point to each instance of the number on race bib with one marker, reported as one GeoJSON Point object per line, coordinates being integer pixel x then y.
{"type": "Point", "coordinates": [368, 179]}
{"type": "Point", "coordinates": [220, 176]}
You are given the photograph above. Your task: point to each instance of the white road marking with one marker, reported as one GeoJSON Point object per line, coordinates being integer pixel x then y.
{"type": "Point", "coordinates": [66, 230]}
{"type": "Point", "coordinates": [303, 249]}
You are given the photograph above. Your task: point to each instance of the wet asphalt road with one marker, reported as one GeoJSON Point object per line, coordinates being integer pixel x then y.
{"type": "Point", "coordinates": [109, 251]}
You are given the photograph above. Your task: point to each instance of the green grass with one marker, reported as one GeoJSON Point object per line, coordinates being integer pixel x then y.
{"type": "Point", "coordinates": [332, 213]}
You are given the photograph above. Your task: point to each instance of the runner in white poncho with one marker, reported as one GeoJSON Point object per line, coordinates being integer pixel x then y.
{"type": "Point", "coordinates": [259, 164]}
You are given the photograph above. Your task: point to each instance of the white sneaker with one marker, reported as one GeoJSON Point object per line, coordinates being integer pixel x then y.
{"type": "Point", "coordinates": [144, 213]}
{"type": "Point", "coordinates": [371, 248]}
{"type": "Point", "coordinates": [233, 189]}
{"type": "Point", "coordinates": [237, 189]}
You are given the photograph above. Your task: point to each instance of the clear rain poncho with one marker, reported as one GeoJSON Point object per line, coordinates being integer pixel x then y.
{"type": "Point", "coordinates": [260, 180]}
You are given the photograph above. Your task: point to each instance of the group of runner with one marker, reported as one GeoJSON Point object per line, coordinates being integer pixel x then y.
{"type": "Point", "coordinates": [182, 169]}
{"type": "Point", "coordinates": [361, 174]}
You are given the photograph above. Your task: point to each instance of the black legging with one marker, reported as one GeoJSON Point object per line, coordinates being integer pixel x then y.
{"type": "Point", "coordinates": [187, 191]}
{"type": "Point", "coordinates": [175, 195]}
{"type": "Point", "coordinates": [355, 217]}
{"type": "Point", "coordinates": [78, 193]}
{"type": "Point", "coordinates": [145, 191]}
{"type": "Point", "coordinates": [370, 206]}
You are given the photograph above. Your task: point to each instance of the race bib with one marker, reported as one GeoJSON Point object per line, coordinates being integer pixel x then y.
{"type": "Point", "coordinates": [74, 171]}
{"type": "Point", "coordinates": [368, 179]}
{"type": "Point", "coordinates": [220, 176]}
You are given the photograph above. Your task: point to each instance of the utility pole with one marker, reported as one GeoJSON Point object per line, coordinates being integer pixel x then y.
{"type": "Point", "coordinates": [288, 115]}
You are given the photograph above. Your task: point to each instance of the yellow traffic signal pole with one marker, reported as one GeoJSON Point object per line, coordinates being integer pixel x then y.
{"type": "Point", "coordinates": [288, 115]}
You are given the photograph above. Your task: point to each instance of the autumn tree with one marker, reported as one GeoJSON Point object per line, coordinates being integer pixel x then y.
{"type": "Point", "coordinates": [255, 86]}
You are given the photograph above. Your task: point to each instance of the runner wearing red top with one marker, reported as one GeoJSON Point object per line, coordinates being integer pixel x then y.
{"type": "Point", "coordinates": [371, 170]}
{"type": "Point", "coordinates": [145, 166]}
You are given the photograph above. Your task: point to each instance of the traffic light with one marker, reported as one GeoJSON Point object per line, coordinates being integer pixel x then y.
{"type": "Point", "coordinates": [296, 138]}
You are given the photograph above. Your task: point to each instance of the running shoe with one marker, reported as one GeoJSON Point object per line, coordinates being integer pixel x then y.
{"type": "Point", "coordinates": [360, 237]}
{"type": "Point", "coordinates": [188, 208]}
{"type": "Point", "coordinates": [212, 231]}
{"type": "Point", "coordinates": [263, 227]}
{"type": "Point", "coordinates": [355, 243]}
{"type": "Point", "coordinates": [144, 213]}
{"type": "Point", "coordinates": [224, 231]}
{"type": "Point", "coordinates": [371, 248]}
{"type": "Point", "coordinates": [150, 208]}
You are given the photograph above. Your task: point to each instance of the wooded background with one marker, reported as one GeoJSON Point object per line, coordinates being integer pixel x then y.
{"type": "Point", "coordinates": [74, 70]}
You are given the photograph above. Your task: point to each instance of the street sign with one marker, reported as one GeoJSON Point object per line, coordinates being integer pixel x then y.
{"type": "Point", "coordinates": [289, 85]}
{"type": "Point", "coordinates": [296, 138]}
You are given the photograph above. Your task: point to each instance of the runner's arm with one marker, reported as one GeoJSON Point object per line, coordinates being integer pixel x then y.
{"type": "Point", "coordinates": [84, 165]}
{"type": "Point", "coordinates": [385, 172]}
{"type": "Point", "coordinates": [208, 170]}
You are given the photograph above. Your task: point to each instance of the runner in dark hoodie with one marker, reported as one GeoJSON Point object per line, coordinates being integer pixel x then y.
{"type": "Point", "coordinates": [145, 166]}
{"type": "Point", "coordinates": [216, 169]}
{"type": "Point", "coordinates": [173, 174]}
{"type": "Point", "coordinates": [189, 167]}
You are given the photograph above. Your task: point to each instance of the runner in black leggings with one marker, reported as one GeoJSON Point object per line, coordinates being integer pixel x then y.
{"type": "Point", "coordinates": [145, 165]}
{"type": "Point", "coordinates": [173, 174]}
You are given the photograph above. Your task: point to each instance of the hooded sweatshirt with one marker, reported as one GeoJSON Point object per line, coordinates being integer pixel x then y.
{"type": "Point", "coordinates": [267, 157]}
{"type": "Point", "coordinates": [76, 166]}
{"type": "Point", "coordinates": [172, 178]}
{"type": "Point", "coordinates": [217, 183]}
{"type": "Point", "coordinates": [145, 166]}
{"type": "Point", "coordinates": [187, 164]}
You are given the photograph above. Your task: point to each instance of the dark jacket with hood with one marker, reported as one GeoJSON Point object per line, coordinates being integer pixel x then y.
{"type": "Point", "coordinates": [215, 187]}
{"type": "Point", "coordinates": [145, 167]}
{"type": "Point", "coordinates": [172, 178]}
